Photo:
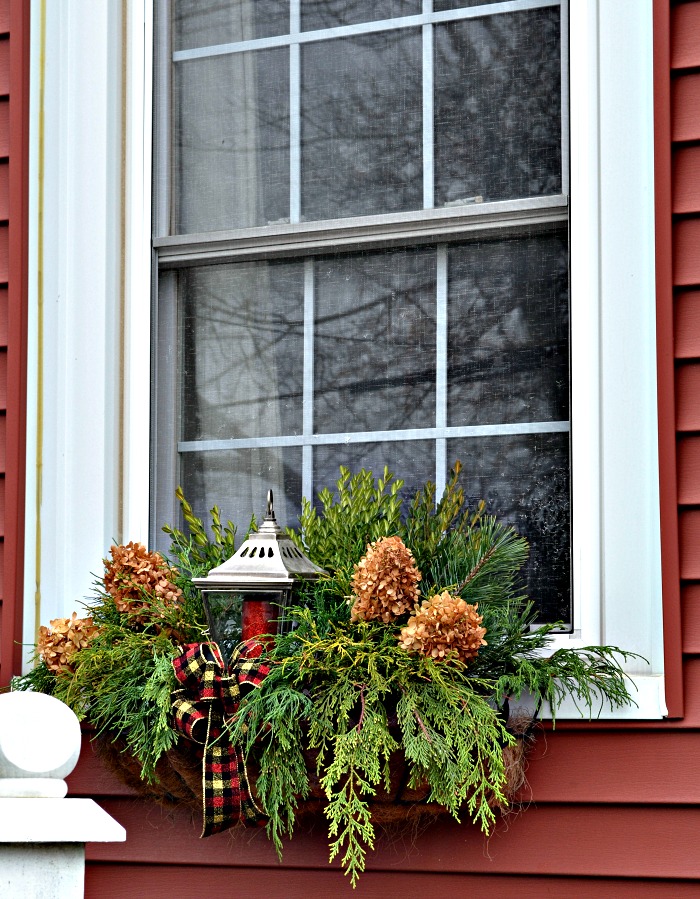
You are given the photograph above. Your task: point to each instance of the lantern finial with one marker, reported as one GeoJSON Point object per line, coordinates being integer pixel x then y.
{"type": "Point", "coordinates": [270, 514]}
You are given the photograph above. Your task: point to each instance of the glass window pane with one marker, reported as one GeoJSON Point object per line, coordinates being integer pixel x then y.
{"type": "Point", "coordinates": [374, 347]}
{"type": "Point", "coordinates": [231, 141]}
{"type": "Point", "coordinates": [206, 23]}
{"type": "Point", "coordinates": [242, 350]}
{"type": "Point", "coordinates": [412, 460]}
{"type": "Point", "coordinates": [237, 482]}
{"type": "Point", "coordinates": [508, 337]}
{"type": "Point", "coordinates": [498, 107]}
{"type": "Point", "coordinates": [361, 125]}
{"type": "Point", "coordinates": [525, 481]}
{"type": "Point", "coordinates": [317, 14]}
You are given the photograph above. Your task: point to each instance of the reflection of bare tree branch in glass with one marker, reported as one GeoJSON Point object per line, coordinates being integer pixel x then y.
{"type": "Point", "coordinates": [205, 23]}
{"type": "Point", "coordinates": [246, 324]}
{"type": "Point", "coordinates": [525, 481]}
{"type": "Point", "coordinates": [441, 5]}
{"type": "Point", "coordinates": [316, 14]}
{"type": "Point", "coordinates": [498, 106]}
{"type": "Point", "coordinates": [362, 125]}
{"type": "Point", "coordinates": [238, 481]}
{"type": "Point", "coordinates": [374, 370]}
{"type": "Point", "coordinates": [497, 118]}
{"type": "Point", "coordinates": [231, 141]}
{"type": "Point", "coordinates": [508, 340]}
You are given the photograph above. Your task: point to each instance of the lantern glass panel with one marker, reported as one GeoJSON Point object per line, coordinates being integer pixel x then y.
{"type": "Point", "coordinates": [224, 614]}
{"type": "Point", "coordinates": [236, 615]}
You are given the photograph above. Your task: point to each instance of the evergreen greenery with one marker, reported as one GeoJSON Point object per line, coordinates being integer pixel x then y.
{"type": "Point", "coordinates": [341, 694]}
{"type": "Point", "coordinates": [362, 697]}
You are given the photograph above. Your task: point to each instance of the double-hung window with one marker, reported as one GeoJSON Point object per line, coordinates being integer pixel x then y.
{"type": "Point", "coordinates": [359, 256]}
{"type": "Point", "coordinates": [362, 256]}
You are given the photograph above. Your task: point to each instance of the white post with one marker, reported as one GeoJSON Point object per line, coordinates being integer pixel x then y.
{"type": "Point", "coordinates": [43, 835]}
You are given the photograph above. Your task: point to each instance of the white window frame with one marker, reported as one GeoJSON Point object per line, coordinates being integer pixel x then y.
{"type": "Point", "coordinates": [81, 504]}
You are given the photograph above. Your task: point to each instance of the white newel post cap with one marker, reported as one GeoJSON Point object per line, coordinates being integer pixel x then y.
{"type": "Point", "coordinates": [39, 745]}
{"type": "Point", "coordinates": [43, 835]}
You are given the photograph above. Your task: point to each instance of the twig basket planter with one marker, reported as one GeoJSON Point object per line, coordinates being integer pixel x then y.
{"type": "Point", "coordinates": [178, 780]}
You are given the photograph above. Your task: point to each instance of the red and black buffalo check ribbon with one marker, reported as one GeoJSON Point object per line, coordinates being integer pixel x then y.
{"type": "Point", "coordinates": [208, 698]}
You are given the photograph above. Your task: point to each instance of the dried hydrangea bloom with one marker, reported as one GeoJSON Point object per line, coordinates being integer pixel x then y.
{"type": "Point", "coordinates": [63, 637]}
{"type": "Point", "coordinates": [384, 581]}
{"type": "Point", "coordinates": [444, 625]}
{"type": "Point", "coordinates": [134, 576]}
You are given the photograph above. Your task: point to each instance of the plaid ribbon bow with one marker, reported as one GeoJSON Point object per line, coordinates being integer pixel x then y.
{"type": "Point", "coordinates": [208, 698]}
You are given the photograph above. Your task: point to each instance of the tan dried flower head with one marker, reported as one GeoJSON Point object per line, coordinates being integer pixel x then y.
{"type": "Point", "coordinates": [444, 625]}
{"type": "Point", "coordinates": [134, 574]}
{"type": "Point", "coordinates": [63, 637]}
{"type": "Point", "coordinates": [384, 581]}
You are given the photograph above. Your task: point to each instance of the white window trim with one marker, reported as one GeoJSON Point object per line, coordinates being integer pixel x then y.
{"type": "Point", "coordinates": [100, 457]}
{"type": "Point", "coordinates": [617, 549]}
{"type": "Point", "coordinates": [89, 295]}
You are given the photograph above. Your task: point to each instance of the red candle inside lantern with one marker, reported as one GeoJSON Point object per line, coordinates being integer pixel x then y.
{"type": "Point", "coordinates": [259, 621]}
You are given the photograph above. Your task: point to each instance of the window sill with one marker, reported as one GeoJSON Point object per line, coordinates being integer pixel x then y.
{"type": "Point", "coordinates": [647, 691]}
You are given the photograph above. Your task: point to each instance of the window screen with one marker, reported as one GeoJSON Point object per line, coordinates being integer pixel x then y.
{"type": "Point", "coordinates": [362, 245]}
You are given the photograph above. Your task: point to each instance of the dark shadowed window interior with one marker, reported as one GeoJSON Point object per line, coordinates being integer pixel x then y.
{"type": "Point", "coordinates": [362, 239]}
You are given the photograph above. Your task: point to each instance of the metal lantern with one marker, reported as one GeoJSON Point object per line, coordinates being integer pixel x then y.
{"type": "Point", "coordinates": [250, 592]}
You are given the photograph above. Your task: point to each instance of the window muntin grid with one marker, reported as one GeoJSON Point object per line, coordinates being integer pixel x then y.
{"type": "Point", "coordinates": [302, 457]}
{"type": "Point", "coordinates": [404, 63]}
{"type": "Point", "coordinates": [342, 358]}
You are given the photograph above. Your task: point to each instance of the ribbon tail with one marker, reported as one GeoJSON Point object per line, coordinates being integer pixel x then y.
{"type": "Point", "coordinates": [220, 808]}
{"type": "Point", "coordinates": [227, 798]}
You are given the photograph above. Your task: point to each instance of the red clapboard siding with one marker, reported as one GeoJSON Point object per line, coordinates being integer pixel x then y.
{"type": "Point", "coordinates": [686, 180]}
{"type": "Point", "coordinates": [689, 470]}
{"type": "Point", "coordinates": [688, 398]}
{"type": "Point", "coordinates": [691, 618]}
{"type": "Point", "coordinates": [687, 324]}
{"type": "Point", "coordinates": [4, 66]}
{"type": "Point", "coordinates": [106, 881]}
{"type": "Point", "coordinates": [2, 505]}
{"type": "Point", "coordinates": [686, 252]}
{"type": "Point", "coordinates": [4, 191]}
{"type": "Point", "coordinates": [685, 36]}
{"type": "Point", "coordinates": [4, 128]}
{"type": "Point", "coordinates": [691, 674]}
{"type": "Point", "coordinates": [617, 769]}
{"type": "Point", "coordinates": [685, 107]}
{"type": "Point", "coordinates": [3, 441]}
{"type": "Point", "coordinates": [3, 379]}
{"type": "Point", "coordinates": [4, 254]}
{"type": "Point", "coordinates": [690, 544]}
{"type": "Point", "coordinates": [3, 316]}
{"type": "Point", "coordinates": [614, 841]}
{"type": "Point", "coordinates": [670, 586]}
{"type": "Point", "coordinates": [14, 133]}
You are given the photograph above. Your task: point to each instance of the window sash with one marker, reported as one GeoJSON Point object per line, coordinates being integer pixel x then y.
{"type": "Point", "coordinates": [294, 40]}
